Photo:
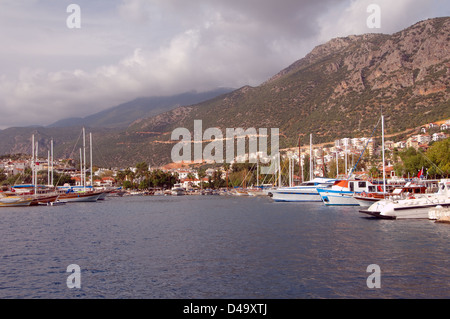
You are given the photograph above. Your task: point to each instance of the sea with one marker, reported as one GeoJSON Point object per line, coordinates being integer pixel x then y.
{"type": "Point", "coordinates": [218, 247]}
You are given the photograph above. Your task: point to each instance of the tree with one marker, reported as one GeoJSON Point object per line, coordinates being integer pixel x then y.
{"type": "Point", "coordinates": [412, 161]}
{"type": "Point", "coordinates": [120, 177]}
{"type": "Point", "coordinates": [332, 168]}
{"type": "Point", "coordinates": [439, 154]}
{"type": "Point", "coordinates": [129, 174]}
{"type": "Point", "coordinates": [226, 167]}
{"type": "Point", "coordinates": [201, 174]}
{"type": "Point", "coordinates": [218, 182]}
{"type": "Point", "coordinates": [3, 176]}
{"type": "Point", "coordinates": [127, 185]}
{"type": "Point", "coordinates": [306, 168]}
{"type": "Point", "coordinates": [59, 179]}
{"type": "Point", "coordinates": [141, 169]}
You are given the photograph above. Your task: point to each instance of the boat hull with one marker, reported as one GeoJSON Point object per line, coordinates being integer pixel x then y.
{"type": "Point", "coordinates": [365, 201]}
{"type": "Point", "coordinates": [337, 198]}
{"type": "Point", "coordinates": [296, 195]}
{"type": "Point", "coordinates": [74, 197]}
{"type": "Point", "coordinates": [15, 202]}
{"type": "Point", "coordinates": [402, 209]}
{"type": "Point", "coordinates": [44, 200]}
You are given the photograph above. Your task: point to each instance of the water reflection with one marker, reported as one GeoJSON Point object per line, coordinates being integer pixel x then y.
{"type": "Point", "coordinates": [218, 247]}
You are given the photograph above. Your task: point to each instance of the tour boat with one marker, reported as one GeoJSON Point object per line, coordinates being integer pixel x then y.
{"type": "Point", "coordinates": [305, 192]}
{"type": "Point", "coordinates": [367, 199]}
{"type": "Point", "coordinates": [341, 193]}
{"type": "Point", "coordinates": [416, 206]}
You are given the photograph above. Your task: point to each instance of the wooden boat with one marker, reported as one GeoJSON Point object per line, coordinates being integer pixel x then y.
{"type": "Point", "coordinates": [80, 197]}
{"type": "Point", "coordinates": [14, 201]}
{"type": "Point", "coordinates": [44, 199]}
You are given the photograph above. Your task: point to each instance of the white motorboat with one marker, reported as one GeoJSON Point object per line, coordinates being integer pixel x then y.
{"type": "Point", "coordinates": [178, 190]}
{"type": "Point", "coordinates": [416, 206]}
{"type": "Point", "coordinates": [305, 192]}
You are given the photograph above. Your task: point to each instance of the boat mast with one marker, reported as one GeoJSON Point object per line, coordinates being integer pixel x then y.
{"type": "Point", "coordinates": [36, 175]}
{"type": "Point", "coordinates": [48, 167]}
{"type": "Point", "coordinates": [311, 169]}
{"type": "Point", "coordinates": [33, 164]}
{"type": "Point", "coordinates": [51, 164]}
{"type": "Point", "coordinates": [257, 170]}
{"type": "Point", "coordinates": [300, 174]}
{"type": "Point", "coordinates": [290, 171]}
{"type": "Point", "coordinates": [345, 157]}
{"type": "Point", "coordinates": [81, 168]}
{"type": "Point", "coordinates": [84, 159]}
{"type": "Point", "coordinates": [90, 149]}
{"type": "Point", "coordinates": [337, 164]}
{"type": "Point", "coordinates": [382, 142]}
{"type": "Point", "coordinates": [279, 170]}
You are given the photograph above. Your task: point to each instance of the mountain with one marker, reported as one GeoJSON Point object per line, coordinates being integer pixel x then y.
{"type": "Point", "coordinates": [144, 107]}
{"type": "Point", "coordinates": [111, 122]}
{"type": "Point", "coordinates": [337, 90]}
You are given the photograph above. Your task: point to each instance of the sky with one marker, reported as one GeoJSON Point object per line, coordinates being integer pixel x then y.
{"type": "Point", "coordinates": [57, 62]}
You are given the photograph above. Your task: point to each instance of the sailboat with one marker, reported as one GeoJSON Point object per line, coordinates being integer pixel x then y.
{"type": "Point", "coordinates": [38, 194]}
{"type": "Point", "coordinates": [83, 194]}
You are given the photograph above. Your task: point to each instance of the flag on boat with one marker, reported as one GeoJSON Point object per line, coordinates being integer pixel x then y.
{"type": "Point", "coordinates": [420, 175]}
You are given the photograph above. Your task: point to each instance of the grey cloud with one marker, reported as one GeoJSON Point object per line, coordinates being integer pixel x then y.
{"type": "Point", "coordinates": [136, 48]}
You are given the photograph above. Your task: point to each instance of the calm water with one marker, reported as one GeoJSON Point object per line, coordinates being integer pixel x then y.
{"type": "Point", "coordinates": [217, 247]}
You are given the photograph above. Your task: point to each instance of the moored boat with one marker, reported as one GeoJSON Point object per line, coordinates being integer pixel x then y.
{"type": "Point", "coordinates": [14, 201]}
{"type": "Point", "coordinates": [305, 192]}
{"type": "Point", "coordinates": [44, 199]}
{"type": "Point", "coordinates": [367, 199]}
{"type": "Point", "coordinates": [414, 207]}
{"type": "Point", "coordinates": [178, 190]}
{"type": "Point", "coordinates": [342, 192]}
{"type": "Point", "coordinates": [240, 192]}
{"type": "Point", "coordinates": [80, 197]}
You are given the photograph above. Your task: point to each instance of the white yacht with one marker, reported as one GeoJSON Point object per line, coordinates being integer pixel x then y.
{"type": "Point", "coordinates": [178, 190]}
{"type": "Point", "coordinates": [305, 192]}
{"type": "Point", "coordinates": [416, 206]}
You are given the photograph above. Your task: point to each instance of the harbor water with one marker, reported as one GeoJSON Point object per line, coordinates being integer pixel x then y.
{"type": "Point", "coordinates": [198, 247]}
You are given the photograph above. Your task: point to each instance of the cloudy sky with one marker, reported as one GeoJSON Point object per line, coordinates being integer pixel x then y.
{"type": "Point", "coordinates": [131, 48]}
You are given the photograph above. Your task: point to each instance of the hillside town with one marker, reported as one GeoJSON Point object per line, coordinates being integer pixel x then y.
{"type": "Point", "coordinates": [329, 160]}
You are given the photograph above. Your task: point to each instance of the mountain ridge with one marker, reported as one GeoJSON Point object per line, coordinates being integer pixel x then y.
{"type": "Point", "coordinates": [124, 114]}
